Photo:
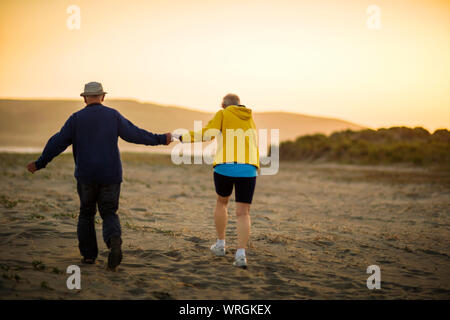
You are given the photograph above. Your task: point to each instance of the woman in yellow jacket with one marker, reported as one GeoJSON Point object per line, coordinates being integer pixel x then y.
{"type": "Point", "coordinates": [236, 164]}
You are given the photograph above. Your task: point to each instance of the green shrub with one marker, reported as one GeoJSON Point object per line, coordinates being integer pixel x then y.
{"type": "Point", "coordinates": [383, 146]}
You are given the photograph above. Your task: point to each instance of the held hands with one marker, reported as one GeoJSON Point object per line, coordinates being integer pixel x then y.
{"type": "Point", "coordinates": [172, 136]}
{"type": "Point", "coordinates": [32, 167]}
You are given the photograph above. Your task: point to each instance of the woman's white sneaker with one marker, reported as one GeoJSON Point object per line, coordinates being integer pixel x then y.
{"type": "Point", "coordinates": [240, 262]}
{"type": "Point", "coordinates": [217, 250]}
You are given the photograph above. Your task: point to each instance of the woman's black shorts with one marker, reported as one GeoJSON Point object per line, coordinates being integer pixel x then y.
{"type": "Point", "coordinates": [245, 187]}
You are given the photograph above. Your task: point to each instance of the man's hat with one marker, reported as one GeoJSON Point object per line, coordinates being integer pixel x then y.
{"type": "Point", "coordinates": [93, 89]}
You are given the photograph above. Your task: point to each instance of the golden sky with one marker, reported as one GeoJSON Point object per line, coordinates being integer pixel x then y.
{"type": "Point", "coordinates": [312, 57]}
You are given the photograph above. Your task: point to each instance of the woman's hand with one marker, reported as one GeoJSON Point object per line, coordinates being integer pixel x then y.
{"type": "Point", "coordinates": [176, 136]}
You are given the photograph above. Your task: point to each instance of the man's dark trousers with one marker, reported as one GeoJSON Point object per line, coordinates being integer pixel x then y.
{"type": "Point", "coordinates": [106, 196]}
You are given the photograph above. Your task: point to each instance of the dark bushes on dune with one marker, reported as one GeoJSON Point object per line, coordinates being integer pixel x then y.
{"type": "Point", "coordinates": [383, 146]}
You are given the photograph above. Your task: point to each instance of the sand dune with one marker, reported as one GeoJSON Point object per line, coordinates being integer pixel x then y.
{"type": "Point", "coordinates": [29, 123]}
{"type": "Point", "coordinates": [316, 228]}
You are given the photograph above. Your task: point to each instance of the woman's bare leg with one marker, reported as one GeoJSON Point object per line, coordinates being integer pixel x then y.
{"type": "Point", "coordinates": [221, 216]}
{"type": "Point", "coordinates": [243, 224]}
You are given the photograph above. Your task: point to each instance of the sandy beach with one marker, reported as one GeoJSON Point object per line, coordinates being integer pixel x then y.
{"type": "Point", "coordinates": [315, 230]}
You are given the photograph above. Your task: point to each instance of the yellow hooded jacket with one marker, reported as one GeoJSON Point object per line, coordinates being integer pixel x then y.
{"type": "Point", "coordinates": [235, 131]}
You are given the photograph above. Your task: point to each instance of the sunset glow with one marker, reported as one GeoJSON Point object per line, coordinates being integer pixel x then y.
{"type": "Point", "coordinates": [315, 57]}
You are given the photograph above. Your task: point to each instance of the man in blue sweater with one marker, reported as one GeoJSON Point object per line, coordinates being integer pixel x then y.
{"type": "Point", "coordinates": [93, 133]}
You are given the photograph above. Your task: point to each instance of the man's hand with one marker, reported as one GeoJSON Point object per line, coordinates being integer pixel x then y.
{"type": "Point", "coordinates": [168, 138]}
{"type": "Point", "coordinates": [32, 167]}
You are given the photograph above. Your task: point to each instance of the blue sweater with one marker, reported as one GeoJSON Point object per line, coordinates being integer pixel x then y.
{"type": "Point", "coordinates": [93, 132]}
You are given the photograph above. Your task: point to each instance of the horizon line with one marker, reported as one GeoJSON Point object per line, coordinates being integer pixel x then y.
{"type": "Point", "coordinates": [211, 112]}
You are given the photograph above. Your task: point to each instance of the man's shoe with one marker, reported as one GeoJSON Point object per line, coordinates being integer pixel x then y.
{"type": "Point", "coordinates": [218, 250]}
{"type": "Point", "coordinates": [115, 255]}
{"type": "Point", "coordinates": [240, 262]}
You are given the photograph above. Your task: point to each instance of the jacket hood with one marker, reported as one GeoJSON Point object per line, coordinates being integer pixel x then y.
{"type": "Point", "coordinates": [240, 111]}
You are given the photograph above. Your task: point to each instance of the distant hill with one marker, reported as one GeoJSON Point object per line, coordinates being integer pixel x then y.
{"type": "Point", "coordinates": [29, 123]}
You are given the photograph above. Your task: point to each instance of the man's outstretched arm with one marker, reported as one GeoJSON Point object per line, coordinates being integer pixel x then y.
{"type": "Point", "coordinates": [55, 145]}
{"type": "Point", "coordinates": [129, 132]}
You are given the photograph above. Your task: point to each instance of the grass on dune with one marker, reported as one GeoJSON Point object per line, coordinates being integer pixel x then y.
{"type": "Point", "coordinates": [395, 145]}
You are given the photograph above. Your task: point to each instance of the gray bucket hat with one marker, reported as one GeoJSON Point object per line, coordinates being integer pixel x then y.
{"type": "Point", "coordinates": [93, 89]}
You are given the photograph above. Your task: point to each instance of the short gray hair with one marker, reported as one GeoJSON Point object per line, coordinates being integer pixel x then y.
{"type": "Point", "coordinates": [231, 100]}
